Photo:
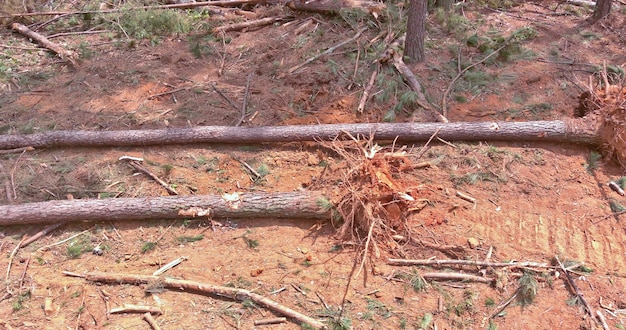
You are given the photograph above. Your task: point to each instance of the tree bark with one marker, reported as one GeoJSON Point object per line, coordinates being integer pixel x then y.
{"type": "Point", "coordinates": [415, 31]}
{"type": "Point", "coordinates": [603, 8]}
{"type": "Point", "coordinates": [579, 131]}
{"type": "Point", "coordinates": [259, 205]}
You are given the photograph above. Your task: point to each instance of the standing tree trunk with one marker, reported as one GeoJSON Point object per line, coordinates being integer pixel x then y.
{"type": "Point", "coordinates": [416, 31]}
{"type": "Point", "coordinates": [603, 8]}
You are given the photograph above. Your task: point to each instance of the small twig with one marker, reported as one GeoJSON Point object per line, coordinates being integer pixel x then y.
{"type": "Point", "coordinates": [368, 89]}
{"type": "Point", "coordinates": [16, 150]}
{"type": "Point", "coordinates": [42, 233]}
{"type": "Point", "coordinates": [244, 103]}
{"type": "Point", "coordinates": [425, 147]}
{"type": "Point", "coordinates": [503, 305]}
{"type": "Point", "coordinates": [150, 118]}
{"type": "Point", "coordinates": [574, 287]}
{"type": "Point", "coordinates": [17, 247]}
{"type": "Point", "coordinates": [444, 98]}
{"type": "Point", "coordinates": [274, 320]}
{"type": "Point", "coordinates": [12, 174]}
{"type": "Point", "coordinates": [247, 166]}
{"type": "Point", "coordinates": [128, 308]}
{"type": "Point", "coordinates": [328, 51]}
{"type": "Point", "coordinates": [298, 289]}
{"type": "Point", "coordinates": [43, 248]}
{"type": "Point", "coordinates": [457, 277]}
{"type": "Point", "coordinates": [365, 249]}
{"type": "Point", "coordinates": [431, 262]}
{"type": "Point", "coordinates": [151, 321]}
{"type": "Point", "coordinates": [105, 298]}
{"type": "Point", "coordinates": [224, 97]}
{"type": "Point", "coordinates": [279, 290]}
{"type": "Point", "coordinates": [483, 271]}
{"type": "Point", "coordinates": [172, 91]}
{"type": "Point", "coordinates": [21, 281]}
{"type": "Point", "coordinates": [322, 300]}
{"type": "Point", "coordinates": [140, 168]}
{"type": "Point", "coordinates": [455, 251]}
{"type": "Point", "coordinates": [467, 198]}
{"type": "Point", "coordinates": [164, 232]}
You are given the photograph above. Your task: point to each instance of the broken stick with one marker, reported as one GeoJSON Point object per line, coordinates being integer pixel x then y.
{"type": "Point", "coordinates": [151, 321]}
{"type": "Point", "coordinates": [233, 293]}
{"type": "Point", "coordinates": [42, 40]}
{"type": "Point", "coordinates": [135, 164]}
{"type": "Point", "coordinates": [430, 262]}
{"type": "Point", "coordinates": [328, 51]}
{"type": "Point", "coordinates": [128, 308]}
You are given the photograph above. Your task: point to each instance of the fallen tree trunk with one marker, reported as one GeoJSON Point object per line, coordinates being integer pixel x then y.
{"type": "Point", "coordinates": [579, 131]}
{"type": "Point", "coordinates": [259, 205]}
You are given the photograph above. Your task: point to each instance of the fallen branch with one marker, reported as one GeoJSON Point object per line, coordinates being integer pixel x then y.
{"type": "Point", "coordinates": [273, 320]}
{"type": "Point", "coordinates": [577, 292]}
{"type": "Point", "coordinates": [42, 233]}
{"type": "Point", "coordinates": [151, 321]}
{"type": "Point", "coordinates": [430, 262]}
{"type": "Point", "coordinates": [247, 25]}
{"type": "Point", "coordinates": [135, 164]}
{"type": "Point", "coordinates": [326, 52]}
{"type": "Point", "coordinates": [62, 52]}
{"type": "Point", "coordinates": [504, 304]}
{"type": "Point", "coordinates": [244, 103]}
{"type": "Point", "coordinates": [392, 53]}
{"type": "Point", "coordinates": [224, 97]}
{"type": "Point", "coordinates": [128, 308]}
{"type": "Point", "coordinates": [368, 89]}
{"type": "Point", "coordinates": [579, 131]}
{"type": "Point", "coordinates": [266, 205]}
{"type": "Point", "coordinates": [233, 293]}
{"type": "Point", "coordinates": [456, 277]}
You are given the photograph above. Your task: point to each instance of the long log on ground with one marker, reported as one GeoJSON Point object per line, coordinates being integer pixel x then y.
{"type": "Point", "coordinates": [578, 131]}
{"type": "Point", "coordinates": [259, 205]}
{"type": "Point", "coordinates": [192, 286]}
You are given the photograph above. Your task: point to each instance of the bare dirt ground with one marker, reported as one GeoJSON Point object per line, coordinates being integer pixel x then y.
{"type": "Point", "coordinates": [535, 202]}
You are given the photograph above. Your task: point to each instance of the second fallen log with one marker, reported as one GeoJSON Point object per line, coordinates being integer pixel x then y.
{"type": "Point", "coordinates": [258, 205]}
